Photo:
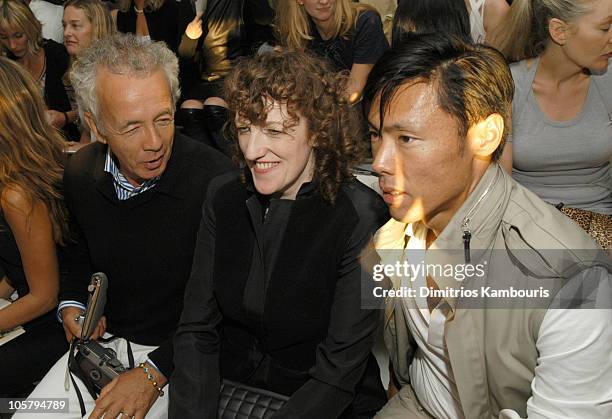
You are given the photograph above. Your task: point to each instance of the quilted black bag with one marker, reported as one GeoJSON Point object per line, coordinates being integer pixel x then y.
{"type": "Point", "coordinates": [238, 401]}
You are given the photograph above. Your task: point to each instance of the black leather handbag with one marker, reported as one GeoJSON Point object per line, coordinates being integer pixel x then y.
{"type": "Point", "coordinates": [238, 401]}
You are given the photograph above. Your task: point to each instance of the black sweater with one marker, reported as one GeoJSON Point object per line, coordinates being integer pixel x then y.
{"type": "Point", "coordinates": [144, 244]}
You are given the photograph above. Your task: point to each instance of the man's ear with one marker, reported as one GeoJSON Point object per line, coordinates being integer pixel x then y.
{"type": "Point", "coordinates": [93, 127]}
{"type": "Point", "coordinates": [485, 136]}
{"type": "Point", "coordinates": [558, 31]}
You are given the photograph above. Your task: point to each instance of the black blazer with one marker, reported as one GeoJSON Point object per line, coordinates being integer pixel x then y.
{"type": "Point", "coordinates": [274, 302]}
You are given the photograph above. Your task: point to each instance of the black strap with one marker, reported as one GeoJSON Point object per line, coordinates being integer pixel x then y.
{"type": "Point", "coordinates": [130, 354]}
{"type": "Point", "coordinates": [72, 365]}
{"type": "Point", "coordinates": [78, 393]}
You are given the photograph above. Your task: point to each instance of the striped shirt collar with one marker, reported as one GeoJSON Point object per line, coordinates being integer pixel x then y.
{"type": "Point", "coordinates": [123, 187]}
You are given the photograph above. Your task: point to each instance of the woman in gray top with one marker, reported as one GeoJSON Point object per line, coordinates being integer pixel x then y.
{"type": "Point", "coordinates": [562, 109]}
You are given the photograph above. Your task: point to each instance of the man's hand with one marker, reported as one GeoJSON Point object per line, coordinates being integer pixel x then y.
{"type": "Point", "coordinates": [194, 29]}
{"type": "Point", "coordinates": [72, 328]}
{"type": "Point", "coordinates": [130, 394]}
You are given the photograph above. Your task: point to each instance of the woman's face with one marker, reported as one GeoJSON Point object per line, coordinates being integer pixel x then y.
{"type": "Point", "coordinates": [589, 43]}
{"type": "Point", "coordinates": [278, 154]}
{"type": "Point", "coordinates": [319, 10]}
{"type": "Point", "coordinates": [77, 30]}
{"type": "Point", "coordinates": [15, 41]}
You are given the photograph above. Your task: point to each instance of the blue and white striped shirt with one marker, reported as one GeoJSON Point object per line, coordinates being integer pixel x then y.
{"type": "Point", "coordinates": [123, 187]}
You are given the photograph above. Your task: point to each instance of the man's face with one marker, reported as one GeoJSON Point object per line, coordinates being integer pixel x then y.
{"type": "Point", "coordinates": [136, 121]}
{"type": "Point", "coordinates": [424, 173]}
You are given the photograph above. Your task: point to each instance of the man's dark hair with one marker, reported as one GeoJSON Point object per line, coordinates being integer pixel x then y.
{"type": "Point", "coordinates": [471, 81]}
{"type": "Point", "coordinates": [430, 16]}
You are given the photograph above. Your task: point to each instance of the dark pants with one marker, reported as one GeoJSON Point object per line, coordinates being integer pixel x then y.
{"type": "Point", "coordinates": [204, 89]}
{"type": "Point", "coordinates": [27, 358]}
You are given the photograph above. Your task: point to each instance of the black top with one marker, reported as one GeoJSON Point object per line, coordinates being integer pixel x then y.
{"type": "Point", "coordinates": [12, 267]}
{"type": "Point", "coordinates": [364, 45]}
{"type": "Point", "coordinates": [274, 301]}
{"type": "Point", "coordinates": [144, 244]}
{"type": "Point", "coordinates": [163, 23]}
{"type": "Point", "coordinates": [10, 259]}
{"type": "Point", "coordinates": [56, 98]}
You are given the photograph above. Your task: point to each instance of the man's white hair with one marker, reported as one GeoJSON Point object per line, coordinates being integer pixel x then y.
{"type": "Point", "coordinates": [120, 54]}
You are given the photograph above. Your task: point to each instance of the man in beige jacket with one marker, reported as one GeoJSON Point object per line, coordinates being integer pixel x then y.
{"type": "Point", "coordinates": [521, 325]}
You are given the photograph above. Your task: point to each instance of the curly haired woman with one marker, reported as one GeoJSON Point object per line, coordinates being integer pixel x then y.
{"type": "Point", "coordinates": [274, 299]}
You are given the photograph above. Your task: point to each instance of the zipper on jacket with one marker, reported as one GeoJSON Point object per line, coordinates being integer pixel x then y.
{"type": "Point", "coordinates": [467, 236]}
{"type": "Point", "coordinates": [465, 224]}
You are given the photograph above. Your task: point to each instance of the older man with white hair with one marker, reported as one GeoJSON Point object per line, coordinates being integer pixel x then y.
{"type": "Point", "coordinates": [136, 196]}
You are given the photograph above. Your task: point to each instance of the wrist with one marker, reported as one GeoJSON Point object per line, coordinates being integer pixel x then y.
{"type": "Point", "coordinates": [66, 304]}
{"type": "Point", "coordinates": [70, 312]}
{"type": "Point", "coordinates": [156, 373]}
{"type": "Point", "coordinates": [155, 379]}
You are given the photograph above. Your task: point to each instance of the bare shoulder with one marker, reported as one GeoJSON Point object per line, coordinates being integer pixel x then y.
{"type": "Point", "coordinates": [14, 199]}
{"type": "Point", "coordinates": [23, 212]}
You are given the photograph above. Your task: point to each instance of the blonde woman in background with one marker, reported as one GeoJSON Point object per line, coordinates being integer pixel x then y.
{"type": "Point", "coordinates": [348, 34]}
{"type": "Point", "coordinates": [33, 221]}
{"type": "Point", "coordinates": [84, 21]}
{"type": "Point", "coordinates": [21, 40]}
{"type": "Point", "coordinates": [562, 108]}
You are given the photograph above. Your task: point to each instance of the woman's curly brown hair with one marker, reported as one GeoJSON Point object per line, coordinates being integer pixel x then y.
{"type": "Point", "coordinates": [308, 85]}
